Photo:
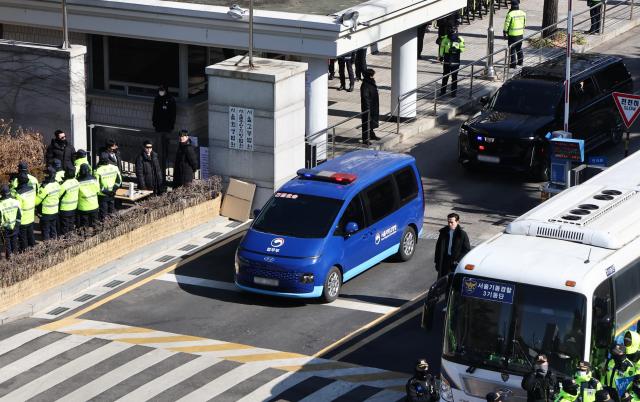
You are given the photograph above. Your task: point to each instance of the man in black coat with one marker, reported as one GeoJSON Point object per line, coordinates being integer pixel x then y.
{"type": "Point", "coordinates": [111, 149]}
{"type": "Point", "coordinates": [346, 60]}
{"type": "Point", "coordinates": [540, 383]}
{"type": "Point", "coordinates": [369, 102]}
{"type": "Point", "coordinates": [61, 150]}
{"type": "Point", "coordinates": [164, 111]}
{"type": "Point", "coordinates": [361, 63]}
{"type": "Point", "coordinates": [452, 245]}
{"type": "Point", "coordinates": [148, 171]}
{"type": "Point", "coordinates": [186, 162]}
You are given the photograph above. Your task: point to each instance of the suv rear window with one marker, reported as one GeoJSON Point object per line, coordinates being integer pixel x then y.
{"type": "Point", "coordinates": [382, 199]}
{"type": "Point", "coordinates": [527, 96]}
{"type": "Point", "coordinates": [612, 76]}
{"type": "Point", "coordinates": [407, 185]}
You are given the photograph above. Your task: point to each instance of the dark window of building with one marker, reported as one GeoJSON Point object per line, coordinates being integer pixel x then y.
{"type": "Point", "coordinates": [97, 61]}
{"type": "Point", "coordinates": [143, 62]}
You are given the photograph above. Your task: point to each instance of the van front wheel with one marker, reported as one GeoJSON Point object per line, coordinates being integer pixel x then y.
{"type": "Point", "coordinates": [332, 285]}
{"type": "Point", "coordinates": [407, 244]}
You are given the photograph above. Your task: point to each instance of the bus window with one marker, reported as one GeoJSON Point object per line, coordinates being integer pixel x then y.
{"type": "Point", "coordinates": [627, 295]}
{"type": "Point", "coordinates": [601, 324]}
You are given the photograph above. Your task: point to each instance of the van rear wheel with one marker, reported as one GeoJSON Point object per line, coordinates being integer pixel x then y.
{"type": "Point", "coordinates": [407, 244]}
{"type": "Point", "coordinates": [332, 285]}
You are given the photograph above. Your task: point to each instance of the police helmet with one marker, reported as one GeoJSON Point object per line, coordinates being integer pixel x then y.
{"type": "Point", "coordinates": [84, 170]}
{"type": "Point", "coordinates": [618, 352]}
{"type": "Point", "coordinates": [4, 191]}
{"type": "Point", "coordinates": [603, 396]}
{"type": "Point", "coordinates": [584, 366]}
{"type": "Point", "coordinates": [422, 366]}
{"type": "Point", "coordinates": [23, 166]}
{"type": "Point", "coordinates": [570, 386]}
{"type": "Point", "coordinates": [23, 178]}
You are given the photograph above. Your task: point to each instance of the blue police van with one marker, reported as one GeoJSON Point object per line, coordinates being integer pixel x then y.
{"type": "Point", "coordinates": [331, 223]}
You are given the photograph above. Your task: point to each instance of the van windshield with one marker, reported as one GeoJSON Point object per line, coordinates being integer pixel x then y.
{"type": "Point", "coordinates": [298, 215]}
{"type": "Point", "coordinates": [530, 97]}
{"type": "Point", "coordinates": [503, 325]}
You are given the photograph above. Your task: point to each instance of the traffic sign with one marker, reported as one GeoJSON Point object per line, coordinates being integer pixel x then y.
{"type": "Point", "coordinates": [628, 106]}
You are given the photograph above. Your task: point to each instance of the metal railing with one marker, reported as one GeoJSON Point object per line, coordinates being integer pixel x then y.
{"type": "Point", "coordinates": [335, 139]}
{"type": "Point", "coordinates": [471, 77]}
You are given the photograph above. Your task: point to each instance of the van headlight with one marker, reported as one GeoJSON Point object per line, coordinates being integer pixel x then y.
{"type": "Point", "coordinates": [445, 390]}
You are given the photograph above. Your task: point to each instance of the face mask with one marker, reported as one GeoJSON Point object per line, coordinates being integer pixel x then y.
{"type": "Point", "coordinates": [543, 367]}
{"type": "Point", "coordinates": [582, 373]}
{"type": "Point", "coordinates": [162, 93]}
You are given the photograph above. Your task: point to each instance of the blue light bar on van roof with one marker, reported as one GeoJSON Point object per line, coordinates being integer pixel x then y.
{"type": "Point", "coordinates": [326, 175]}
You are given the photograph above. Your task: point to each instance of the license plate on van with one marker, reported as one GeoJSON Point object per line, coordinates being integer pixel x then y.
{"type": "Point", "coordinates": [265, 281]}
{"type": "Point", "coordinates": [488, 158]}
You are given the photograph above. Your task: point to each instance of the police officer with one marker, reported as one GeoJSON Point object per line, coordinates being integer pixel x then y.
{"type": "Point", "coordinates": [513, 30]}
{"type": "Point", "coordinates": [81, 159]}
{"type": "Point", "coordinates": [420, 387]}
{"type": "Point", "coordinates": [57, 165]}
{"type": "Point", "coordinates": [450, 48]}
{"type": "Point", "coordinates": [88, 190]}
{"type": "Point", "coordinates": [10, 216]}
{"type": "Point", "coordinates": [49, 197]}
{"type": "Point", "coordinates": [23, 167]}
{"type": "Point", "coordinates": [540, 383]}
{"type": "Point", "coordinates": [596, 15]}
{"type": "Point", "coordinates": [68, 201]}
{"type": "Point", "coordinates": [634, 390]}
{"type": "Point", "coordinates": [25, 193]}
{"type": "Point", "coordinates": [603, 396]}
{"type": "Point", "coordinates": [568, 392]}
{"type": "Point", "coordinates": [588, 384]}
{"type": "Point", "coordinates": [616, 368]}
{"type": "Point", "coordinates": [632, 348]}
{"type": "Point", "coordinates": [109, 179]}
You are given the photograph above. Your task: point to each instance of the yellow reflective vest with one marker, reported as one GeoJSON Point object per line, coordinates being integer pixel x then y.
{"type": "Point", "coordinates": [9, 211]}
{"type": "Point", "coordinates": [27, 201]}
{"type": "Point", "coordinates": [69, 199]}
{"type": "Point", "coordinates": [79, 162]}
{"type": "Point", "coordinates": [108, 177]}
{"type": "Point", "coordinates": [515, 22]}
{"type": "Point", "coordinates": [60, 176]}
{"type": "Point", "coordinates": [49, 197]}
{"type": "Point", "coordinates": [88, 190]}
{"type": "Point", "coordinates": [32, 180]}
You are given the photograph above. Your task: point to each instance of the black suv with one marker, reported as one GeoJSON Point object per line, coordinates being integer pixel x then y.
{"type": "Point", "coordinates": [510, 130]}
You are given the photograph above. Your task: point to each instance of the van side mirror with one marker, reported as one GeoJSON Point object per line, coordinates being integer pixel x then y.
{"type": "Point", "coordinates": [484, 100]}
{"type": "Point", "coordinates": [256, 212]}
{"type": "Point", "coordinates": [351, 228]}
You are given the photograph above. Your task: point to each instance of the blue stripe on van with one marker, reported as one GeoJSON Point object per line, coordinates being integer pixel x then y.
{"type": "Point", "coordinates": [317, 292]}
{"type": "Point", "coordinates": [371, 262]}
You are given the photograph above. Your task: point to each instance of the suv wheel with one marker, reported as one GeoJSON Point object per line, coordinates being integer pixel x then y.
{"type": "Point", "coordinates": [407, 244]}
{"type": "Point", "coordinates": [332, 285]}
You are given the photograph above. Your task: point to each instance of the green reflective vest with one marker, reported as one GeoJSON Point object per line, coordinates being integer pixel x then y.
{"type": "Point", "coordinates": [32, 180]}
{"type": "Point", "coordinates": [634, 349]}
{"type": "Point", "coordinates": [79, 162]}
{"type": "Point", "coordinates": [69, 199]}
{"type": "Point", "coordinates": [447, 45]}
{"type": "Point", "coordinates": [27, 206]}
{"type": "Point", "coordinates": [49, 196]}
{"type": "Point", "coordinates": [108, 177]}
{"type": "Point", "coordinates": [588, 387]}
{"type": "Point", "coordinates": [565, 397]}
{"type": "Point", "coordinates": [9, 208]}
{"type": "Point", "coordinates": [515, 22]}
{"type": "Point", "coordinates": [60, 176]}
{"type": "Point", "coordinates": [88, 190]}
{"type": "Point", "coordinates": [612, 373]}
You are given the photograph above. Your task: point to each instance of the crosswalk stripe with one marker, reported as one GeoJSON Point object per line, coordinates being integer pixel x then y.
{"type": "Point", "coordinates": [210, 348]}
{"type": "Point", "coordinates": [316, 367]}
{"type": "Point", "coordinates": [20, 339]}
{"type": "Point", "coordinates": [330, 392]}
{"type": "Point", "coordinates": [275, 386]}
{"type": "Point", "coordinates": [41, 355]}
{"type": "Point", "coordinates": [109, 331]}
{"type": "Point", "coordinates": [161, 339]}
{"type": "Point", "coordinates": [191, 280]}
{"type": "Point", "coordinates": [117, 375]}
{"type": "Point", "coordinates": [68, 370]}
{"type": "Point", "coordinates": [262, 357]}
{"type": "Point", "coordinates": [354, 305]}
{"type": "Point", "coordinates": [169, 379]}
{"type": "Point", "coordinates": [225, 381]}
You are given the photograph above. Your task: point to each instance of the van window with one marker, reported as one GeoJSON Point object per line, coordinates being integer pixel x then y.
{"type": "Point", "coordinates": [382, 199]}
{"type": "Point", "coordinates": [583, 92]}
{"type": "Point", "coordinates": [353, 213]}
{"type": "Point", "coordinates": [407, 185]}
{"type": "Point", "coordinates": [627, 294]}
{"type": "Point", "coordinates": [600, 315]}
{"type": "Point", "coordinates": [612, 76]}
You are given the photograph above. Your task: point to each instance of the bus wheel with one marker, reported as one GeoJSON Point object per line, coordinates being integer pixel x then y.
{"type": "Point", "coordinates": [332, 285]}
{"type": "Point", "coordinates": [407, 244]}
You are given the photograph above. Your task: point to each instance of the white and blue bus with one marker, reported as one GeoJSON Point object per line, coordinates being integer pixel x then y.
{"type": "Point", "coordinates": [563, 280]}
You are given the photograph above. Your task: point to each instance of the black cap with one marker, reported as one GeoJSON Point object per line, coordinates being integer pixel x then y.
{"type": "Point", "coordinates": [84, 170]}
{"type": "Point", "coordinates": [23, 166]}
{"type": "Point", "coordinates": [422, 365]}
{"type": "Point", "coordinates": [23, 178]}
{"type": "Point", "coordinates": [617, 351]}
{"type": "Point", "coordinates": [570, 386]}
{"type": "Point", "coordinates": [515, 2]}
{"type": "Point", "coordinates": [69, 173]}
{"type": "Point", "coordinates": [4, 190]}
{"type": "Point", "coordinates": [584, 366]}
{"type": "Point", "coordinates": [81, 153]}
{"type": "Point", "coordinates": [603, 396]}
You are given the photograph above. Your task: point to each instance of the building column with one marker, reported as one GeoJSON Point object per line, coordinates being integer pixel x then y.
{"type": "Point", "coordinates": [404, 72]}
{"type": "Point", "coordinates": [183, 71]}
{"type": "Point", "coordinates": [317, 103]}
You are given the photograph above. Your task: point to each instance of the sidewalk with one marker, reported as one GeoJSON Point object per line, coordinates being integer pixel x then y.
{"type": "Point", "coordinates": [343, 104]}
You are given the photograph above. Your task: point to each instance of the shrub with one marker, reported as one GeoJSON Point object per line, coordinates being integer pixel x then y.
{"type": "Point", "coordinates": [47, 254]}
{"type": "Point", "coordinates": [20, 145]}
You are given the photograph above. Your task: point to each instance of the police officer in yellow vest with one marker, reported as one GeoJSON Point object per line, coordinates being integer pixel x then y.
{"type": "Point", "coordinates": [57, 165]}
{"type": "Point", "coordinates": [513, 30]}
{"type": "Point", "coordinates": [49, 197]}
{"type": "Point", "coordinates": [68, 201]}
{"type": "Point", "coordinates": [450, 48]}
{"type": "Point", "coordinates": [588, 384]}
{"type": "Point", "coordinates": [23, 167]}
{"type": "Point", "coordinates": [81, 159]}
{"type": "Point", "coordinates": [25, 193]}
{"type": "Point", "coordinates": [10, 216]}
{"type": "Point", "coordinates": [632, 348]}
{"type": "Point", "coordinates": [88, 190]}
{"type": "Point", "coordinates": [569, 391]}
{"type": "Point", "coordinates": [617, 367]}
{"type": "Point", "coordinates": [109, 178]}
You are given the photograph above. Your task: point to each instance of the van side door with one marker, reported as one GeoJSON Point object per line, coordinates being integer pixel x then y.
{"type": "Point", "coordinates": [356, 247]}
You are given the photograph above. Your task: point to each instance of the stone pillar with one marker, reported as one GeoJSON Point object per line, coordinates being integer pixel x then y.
{"type": "Point", "coordinates": [43, 87]}
{"type": "Point", "coordinates": [317, 103]}
{"type": "Point", "coordinates": [404, 72]}
{"type": "Point", "coordinates": [275, 93]}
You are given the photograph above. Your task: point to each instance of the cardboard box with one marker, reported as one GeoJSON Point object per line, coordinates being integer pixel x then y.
{"type": "Point", "coordinates": [238, 200]}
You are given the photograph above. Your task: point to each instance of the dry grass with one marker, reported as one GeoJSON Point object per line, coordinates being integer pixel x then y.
{"type": "Point", "coordinates": [20, 145]}
{"type": "Point", "coordinates": [50, 253]}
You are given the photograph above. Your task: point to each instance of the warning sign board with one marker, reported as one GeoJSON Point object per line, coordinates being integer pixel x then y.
{"type": "Point", "coordinates": [628, 106]}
